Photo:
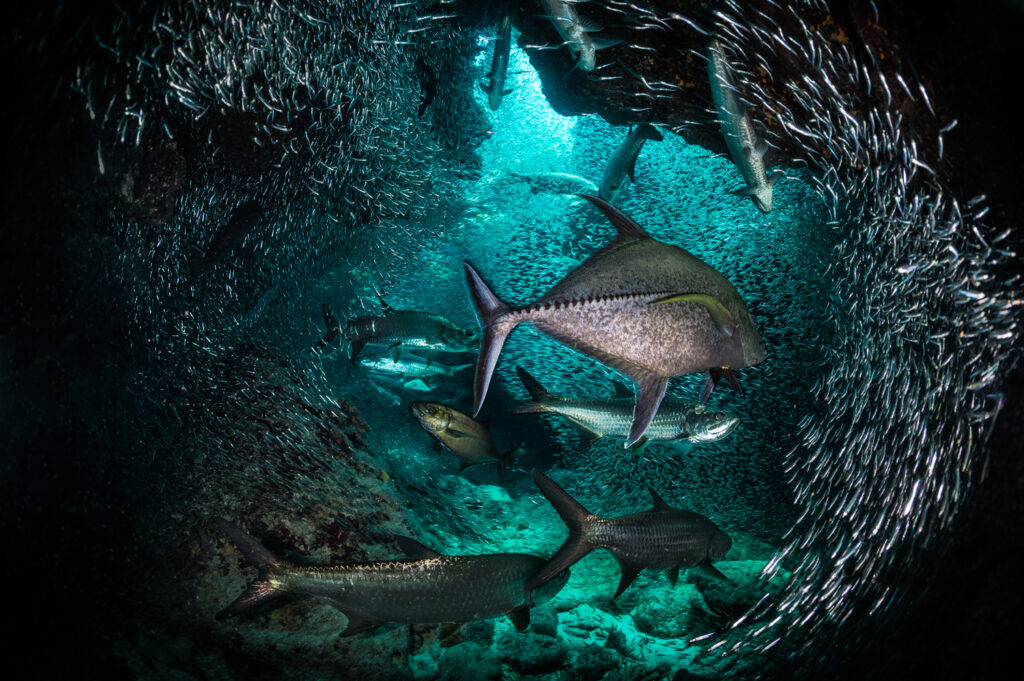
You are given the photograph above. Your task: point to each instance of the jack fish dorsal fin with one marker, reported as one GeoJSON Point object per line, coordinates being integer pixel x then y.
{"type": "Point", "coordinates": [723, 319]}
{"type": "Point", "coordinates": [659, 503]}
{"type": "Point", "coordinates": [414, 549]}
{"type": "Point", "coordinates": [627, 228]}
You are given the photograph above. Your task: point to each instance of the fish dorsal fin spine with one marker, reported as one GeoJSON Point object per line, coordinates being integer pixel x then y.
{"type": "Point", "coordinates": [414, 549]}
{"type": "Point", "coordinates": [659, 503]}
{"type": "Point", "coordinates": [627, 228]}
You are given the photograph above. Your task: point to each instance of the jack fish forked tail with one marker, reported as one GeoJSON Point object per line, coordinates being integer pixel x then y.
{"type": "Point", "coordinates": [649, 309]}
{"type": "Point", "coordinates": [662, 538]}
{"type": "Point", "coordinates": [426, 587]}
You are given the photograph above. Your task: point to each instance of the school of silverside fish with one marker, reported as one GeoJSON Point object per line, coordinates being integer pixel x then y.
{"type": "Point", "coordinates": [339, 140]}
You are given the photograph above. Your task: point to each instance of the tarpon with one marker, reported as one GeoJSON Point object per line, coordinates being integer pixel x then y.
{"type": "Point", "coordinates": [333, 330]}
{"type": "Point", "coordinates": [611, 417]}
{"type": "Point", "coordinates": [463, 436]}
{"type": "Point", "coordinates": [623, 162]}
{"type": "Point", "coordinates": [410, 365]}
{"type": "Point", "coordinates": [409, 328]}
{"type": "Point", "coordinates": [664, 538]}
{"type": "Point", "coordinates": [495, 87]}
{"type": "Point", "coordinates": [575, 31]}
{"type": "Point", "coordinates": [649, 309]}
{"type": "Point", "coordinates": [228, 237]}
{"type": "Point", "coordinates": [425, 588]}
{"type": "Point", "coordinates": [746, 150]}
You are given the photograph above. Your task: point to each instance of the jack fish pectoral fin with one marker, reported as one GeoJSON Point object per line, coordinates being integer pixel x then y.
{"type": "Point", "coordinates": [650, 391]}
{"type": "Point", "coordinates": [629, 574]}
{"type": "Point", "coordinates": [723, 319]}
{"type": "Point", "coordinates": [520, 618]}
{"type": "Point", "coordinates": [414, 549]}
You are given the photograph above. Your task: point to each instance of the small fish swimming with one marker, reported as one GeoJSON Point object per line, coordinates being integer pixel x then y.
{"type": "Point", "coordinates": [408, 328]}
{"type": "Point", "coordinates": [623, 162]}
{"type": "Point", "coordinates": [228, 237]}
{"type": "Point", "coordinates": [558, 183]}
{"type": "Point", "coordinates": [663, 538]}
{"type": "Point", "coordinates": [463, 436]}
{"type": "Point", "coordinates": [746, 150]}
{"type": "Point", "coordinates": [427, 587]}
{"type": "Point", "coordinates": [495, 88]}
{"type": "Point", "coordinates": [649, 309]}
{"type": "Point", "coordinates": [611, 417]}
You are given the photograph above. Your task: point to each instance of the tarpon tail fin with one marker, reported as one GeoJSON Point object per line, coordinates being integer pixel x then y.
{"type": "Point", "coordinates": [492, 314]}
{"type": "Point", "coordinates": [261, 592]}
{"type": "Point", "coordinates": [576, 518]}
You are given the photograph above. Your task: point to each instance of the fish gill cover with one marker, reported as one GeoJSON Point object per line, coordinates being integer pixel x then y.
{"type": "Point", "coordinates": [359, 130]}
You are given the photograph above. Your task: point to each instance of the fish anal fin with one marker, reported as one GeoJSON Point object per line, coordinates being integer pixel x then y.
{"type": "Point", "coordinates": [731, 377]}
{"type": "Point", "coordinates": [723, 319]}
{"type": "Point", "coordinates": [520, 618]}
{"type": "Point", "coordinates": [673, 575]}
{"type": "Point", "coordinates": [650, 391]}
{"type": "Point", "coordinates": [629, 575]}
{"type": "Point", "coordinates": [626, 226]}
{"type": "Point", "coordinates": [415, 549]}
{"type": "Point", "coordinates": [587, 438]}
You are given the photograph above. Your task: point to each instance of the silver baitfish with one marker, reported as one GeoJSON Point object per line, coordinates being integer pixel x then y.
{"type": "Point", "coordinates": [425, 588]}
{"type": "Point", "coordinates": [663, 538]}
{"type": "Point", "coordinates": [746, 150]}
{"type": "Point", "coordinates": [411, 328]}
{"type": "Point", "coordinates": [495, 84]}
{"type": "Point", "coordinates": [649, 309]}
{"type": "Point", "coordinates": [623, 162]}
{"type": "Point", "coordinates": [611, 417]}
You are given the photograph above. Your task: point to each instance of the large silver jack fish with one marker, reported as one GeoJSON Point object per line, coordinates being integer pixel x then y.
{"type": "Point", "coordinates": [663, 538]}
{"type": "Point", "coordinates": [738, 129]}
{"type": "Point", "coordinates": [647, 308]}
{"type": "Point", "coordinates": [426, 588]}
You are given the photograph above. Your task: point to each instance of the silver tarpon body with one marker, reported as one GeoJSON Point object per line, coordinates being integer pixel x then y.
{"type": "Point", "coordinates": [737, 128]}
{"type": "Point", "coordinates": [410, 328]}
{"type": "Point", "coordinates": [649, 309]}
{"type": "Point", "coordinates": [662, 538]}
{"type": "Point", "coordinates": [410, 366]}
{"type": "Point", "coordinates": [567, 22]}
{"type": "Point", "coordinates": [612, 417]}
{"type": "Point", "coordinates": [623, 162]}
{"type": "Point", "coordinates": [228, 237]}
{"type": "Point", "coordinates": [495, 87]}
{"type": "Point", "coordinates": [425, 588]}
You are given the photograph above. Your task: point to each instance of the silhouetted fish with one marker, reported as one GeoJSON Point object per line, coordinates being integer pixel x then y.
{"type": "Point", "coordinates": [649, 309]}
{"type": "Point", "coordinates": [228, 237]}
{"type": "Point", "coordinates": [611, 417]}
{"type": "Point", "coordinates": [662, 538]}
{"type": "Point", "coordinates": [737, 128]}
{"type": "Point", "coordinates": [495, 88]}
{"type": "Point", "coordinates": [623, 162]}
{"type": "Point", "coordinates": [425, 588]}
